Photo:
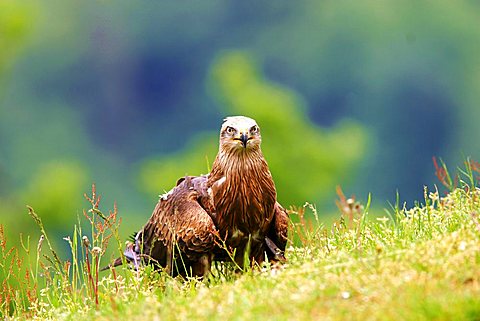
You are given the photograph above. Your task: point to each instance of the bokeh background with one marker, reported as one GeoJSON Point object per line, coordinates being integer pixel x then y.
{"type": "Point", "coordinates": [131, 94]}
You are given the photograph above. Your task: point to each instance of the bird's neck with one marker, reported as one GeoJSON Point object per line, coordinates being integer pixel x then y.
{"type": "Point", "coordinates": [238, 163]}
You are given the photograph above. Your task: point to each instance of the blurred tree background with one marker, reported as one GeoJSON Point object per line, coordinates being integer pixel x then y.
{"type": "Point", "coordinates": [131, 95]}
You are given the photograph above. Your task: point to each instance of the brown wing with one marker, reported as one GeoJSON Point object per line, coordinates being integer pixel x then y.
{"type": "Point", "coordinates": [180, 232]}
{"type": "Point", "coordinates": [276, 239]}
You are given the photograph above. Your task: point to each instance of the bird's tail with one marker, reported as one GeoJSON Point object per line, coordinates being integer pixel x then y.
{"type": "Point", "coordinates": [131, 256]}
{"type": "Point", "coordinates": [278, 254]}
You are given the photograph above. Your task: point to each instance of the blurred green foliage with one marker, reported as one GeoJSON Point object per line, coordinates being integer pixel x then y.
{"type": "Point", "coordinates": [131, 96]}
{"type": "Point", "coordinates": [15, 20]}
{"type": "Point", "coordinates": [57, 191]}
{"type": "Point", "coordinates": [15, 23]}
{"type": "Point", "coordinates": [305, 160]}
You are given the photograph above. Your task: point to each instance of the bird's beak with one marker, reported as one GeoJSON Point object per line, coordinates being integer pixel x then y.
{"type": "Point", "coordinates": [244, 139]}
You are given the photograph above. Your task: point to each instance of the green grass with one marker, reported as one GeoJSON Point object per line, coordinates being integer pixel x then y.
{"type": "Point", "coordinates": [421, 263]}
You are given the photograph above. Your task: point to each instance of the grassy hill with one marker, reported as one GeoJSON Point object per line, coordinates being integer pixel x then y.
{"type": "Point", "coordinates": [421, 263]}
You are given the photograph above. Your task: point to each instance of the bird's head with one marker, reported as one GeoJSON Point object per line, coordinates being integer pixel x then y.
{"type": "Point", "coordinates": [240, 133]}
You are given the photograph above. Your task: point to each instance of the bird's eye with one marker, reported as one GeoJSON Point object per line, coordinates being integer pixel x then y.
{"type": "Point", "coordinates": [230, 130]}
{"type": "Point", "coordinates": [254, 129]}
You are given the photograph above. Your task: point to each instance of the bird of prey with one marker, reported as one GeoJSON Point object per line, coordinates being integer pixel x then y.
{"type": "Point", "coordinates": [229, 214]}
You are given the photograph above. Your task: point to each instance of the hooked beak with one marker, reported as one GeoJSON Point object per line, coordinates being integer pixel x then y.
{"type": "Point", "coordinates": [244, 140]}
